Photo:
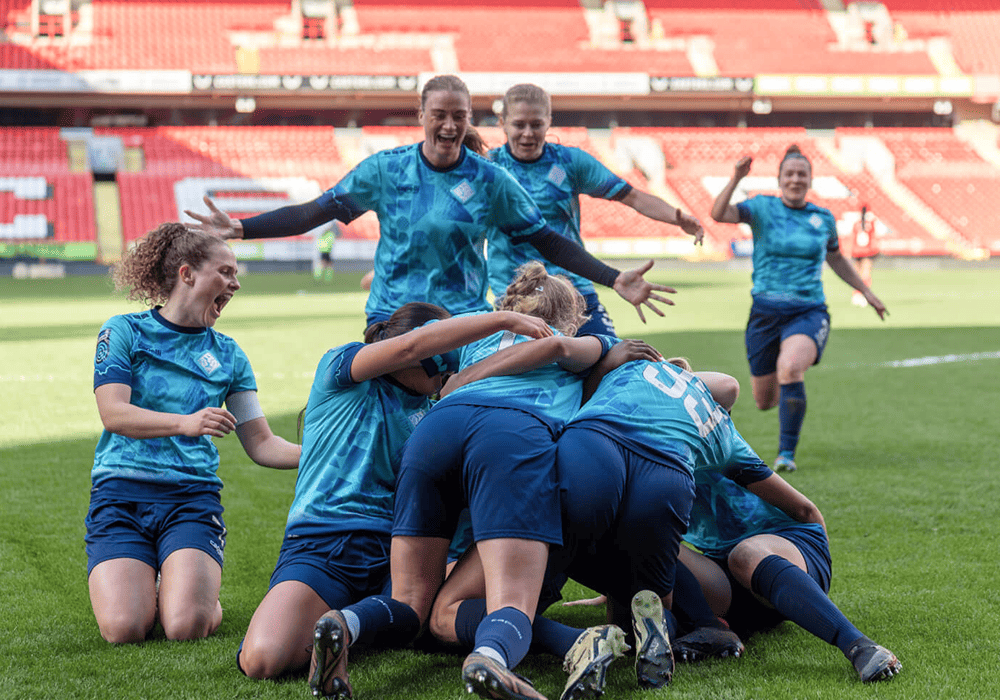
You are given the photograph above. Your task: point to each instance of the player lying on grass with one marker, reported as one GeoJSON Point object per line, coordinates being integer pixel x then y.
{"type": "Point", "coordinates": [365, 400]}
{"type": "Point", "coordinates": [766, 559]}
{"type": "Point", "coordinates": [490, 445]}
{"type": "Point", "coordinates": [160, 379]}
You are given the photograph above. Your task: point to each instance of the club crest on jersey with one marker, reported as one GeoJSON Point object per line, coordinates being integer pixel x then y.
{"type": "Point", "coordinates": [208, 363]}
{"type": "Point", "coordinates": [103, 345]}
{"type": "Point", "coordinates": [415, 418]}
{"type": "Point", "coordinates": [816, 220]}
{"type": "Point", "coordinates": [557, 176]}
{"type": "Point", "coordinates": [463, 191]}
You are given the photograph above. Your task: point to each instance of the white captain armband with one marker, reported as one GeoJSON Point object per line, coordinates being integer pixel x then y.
{"type": "Point", "coordinates": [245, 406]}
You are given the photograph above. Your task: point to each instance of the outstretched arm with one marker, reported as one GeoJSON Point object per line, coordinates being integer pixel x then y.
{"type": "Point", "coordinates": [630, 284]}
{"type": "Point", "coordinates": [651, 206]}
{"type": "Point", "coordinates": [408, 349]}
{"type": "Point", "coordinates": [847, 272]}
{"type": "Point", "coordinates": [292, 220]}
{"type": "Point", "coordinates": [722, 210]}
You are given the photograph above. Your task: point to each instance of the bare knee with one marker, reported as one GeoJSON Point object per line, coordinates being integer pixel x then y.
{"type": "Point", "coordinates": [124, 629]}
{"type": "Point", "coordinates": [192, 622]}
{"type": "Point", "coordinates": [742, 562]}
{"type": "Point", "coordinates": [260, 659]}
{"type": "Point", "coordinates": [442, 623]}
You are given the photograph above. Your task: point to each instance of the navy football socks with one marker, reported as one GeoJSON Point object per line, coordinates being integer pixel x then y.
{"type": "Point", "coordinates": [383, 621]}
{"type": "Point", "coordinates": [506, 631]}
{"type": "Point", "coordinates": [798, 597]}
{"type": "Point", "coordinates": [791, 414]}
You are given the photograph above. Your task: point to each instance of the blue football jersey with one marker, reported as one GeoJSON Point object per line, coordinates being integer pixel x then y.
{"type": "Point", "coordinates": [171, 369]}
{"type": "Point", "coordinates": [725, 513]}
{"type": "Point", "coordinates": [549, 393]}
{"type": "Point", "coordinates": [555, 181]}
{"type": "Point", "coordinates": [352, 443]}
{"type": "Point", "coordinates": [789, 247]}
{"type": "Point", "coordinates": [659, 409]}
{"type": "Point", "coordinates": [433, 225]}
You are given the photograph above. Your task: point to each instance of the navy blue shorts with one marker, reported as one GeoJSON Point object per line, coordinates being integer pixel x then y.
{"type": "Point", "coordinates": [498, 461]}
{"type": "Point", "coordinates": [624, 513]}
{"type": "Point", "coordinates": [342, 567]}
{"type": "Point", "coordinates": [747, 613]}
{"type": "Point", "coordinates": [599, 321]}
{"type": "Point", "coordinates": [771, 322]}
{"type": "Point", "coordinates": [150, 532]}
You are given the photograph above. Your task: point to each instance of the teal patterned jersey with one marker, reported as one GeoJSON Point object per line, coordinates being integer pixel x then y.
{"type": "Point", "coordinates": [659, 409]}
{"type": "Point", "coordinates": [789, 247]}
{"type": "Point", "coordinates": [725, 513]}
{"type": "Point", "coordinates": [171, 369]}
{"type": "Point", "coordinates": [555, 181]}
{"type": "Point", "coordinates": [433, 225]}
{"type": "Point", "coordinates": [352, 443]}
{"type": "Point", "coordinates": [549, 393]}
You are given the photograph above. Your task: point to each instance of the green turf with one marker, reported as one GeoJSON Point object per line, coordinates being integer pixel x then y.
{"type": "Point", "coordinates": [902, 461]}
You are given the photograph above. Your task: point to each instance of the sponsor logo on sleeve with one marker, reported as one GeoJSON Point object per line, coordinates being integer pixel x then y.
{"type": "Point", "coordinates": [103, 345]}
{"type": "Point", "coordinates": [816, 220]}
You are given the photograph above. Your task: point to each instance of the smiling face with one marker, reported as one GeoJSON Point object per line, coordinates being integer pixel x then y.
{"type": "Point", "coordinates": [794, 180]}
{"type": "Point", "coordinates": [210, 286]}
{"type": "Point", "coordinates": [445, 117]}
{"type": "Point", "coordinates": [525, 126]}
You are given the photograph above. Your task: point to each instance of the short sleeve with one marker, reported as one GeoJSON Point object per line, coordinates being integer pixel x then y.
{"type": "Point", "coordinates": [514, 212]}
{"type": "Point", "coordinates": [592, 178]}
{"type": "Point", "coordinates": [113, 356]}
{"type": "Point", "coordinates": [745, 467]}
{"type": "Point", "coordinates": [334, 371]}
{"type": "Point", "coordinates": [833, 240]}
{"type": "Point", "coordinates": [746, 210]}
{"type": "Point", "coordinates": [243, 377]}
{"type": "Point", "coordinates": [358, 191]}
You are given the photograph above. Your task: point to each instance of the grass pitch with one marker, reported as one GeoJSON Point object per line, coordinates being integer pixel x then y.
{"type": "Point", "coordinates": [899, 451]}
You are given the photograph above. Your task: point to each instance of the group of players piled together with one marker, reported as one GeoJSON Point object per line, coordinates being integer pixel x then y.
{"type": "Point", "coordinates": [551, 449]}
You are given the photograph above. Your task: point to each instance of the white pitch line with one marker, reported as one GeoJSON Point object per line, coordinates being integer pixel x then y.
{"type": "Point", "coordinates": [931, 360]}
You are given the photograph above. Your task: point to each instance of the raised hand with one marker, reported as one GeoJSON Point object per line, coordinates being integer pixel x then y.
{"type": "Point", "coordinates": [216, 222]}
{"type": "Point", "coordinates": [633, 288]}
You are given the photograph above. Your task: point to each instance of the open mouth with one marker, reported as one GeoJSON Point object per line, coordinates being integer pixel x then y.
{"type": "Point", "coordinates": [449, 141]}
{"type": "Point", "coordinates": [220, 303]}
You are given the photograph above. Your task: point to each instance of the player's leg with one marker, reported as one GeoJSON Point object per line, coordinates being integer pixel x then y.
{"type": "Point", "coordinates": [798, 353]}
{"type": "Point", "coordinates": [190, 580]}
{"type": "Point", "coordinates": [705, 634]}
{"type": "Point", "coordinates": [787, 575]}
{"type": "Point", "coordinates": [190, 550]}
{"type": "Point", "coordinates": [122, 565]}
{"type": "Point", "coordinates": [123, 596]}
{"type": "Point", "coordinates": [763, 342]}
{"type": "Point", "coordinates": [281, 630]}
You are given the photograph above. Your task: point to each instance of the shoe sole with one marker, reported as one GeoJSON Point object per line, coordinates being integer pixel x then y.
{"type": "Point", "coordinates": [654, 661]}
{"type": "Point", "coordinates": [590, 683]}
{"type": "Point", "coordinates": [328, 644]}
{"type": "Point", "coordinates": [481, 680]}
